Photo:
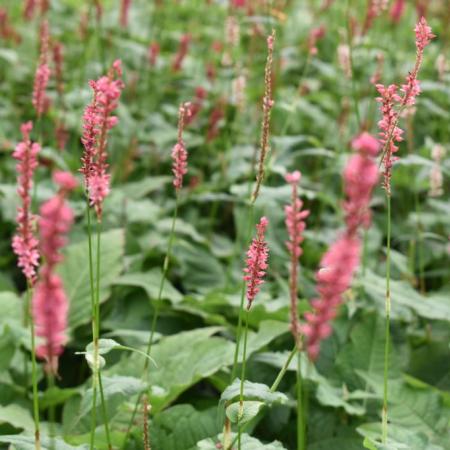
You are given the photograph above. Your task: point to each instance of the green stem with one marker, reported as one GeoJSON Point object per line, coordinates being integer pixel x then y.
{"type": "Point", "coordinates": [300, 418]}
{"type": "Point", "coordinates": [350, 50]}
{"type": "Point", "coordinates": [37, 438]}
{"type": "Point", "coordinates": [156, 313]}
{"type": "Point", "coordinates": [241, 306]}
{"type": "Point", "coordinates": [51, 411]}
{"type": "Point", "coordinates": [384, 425]}
{"type": "Point", "coordinates": [93, 311]}
{"type": "Point", "coordinates": [97, 335]}
{"type": "Point", "coordinates": [241, 389]}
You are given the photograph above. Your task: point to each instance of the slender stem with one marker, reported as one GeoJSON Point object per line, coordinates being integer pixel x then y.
{"type": "Point", "coordinates": [97, 335]}
{"type": "Point", "coordinates": [384, 425]}
{"type": "Point", "coordinates": [241, 306]}
{"type": "Point", "coordinates": [156, 313]}
{"type": "Point", "coordinates": [241, 389]}
{"type": "Point", "coordinates": [350, 50]}
{"type": "Point", "coordinates": [37, 438]}
{"type": "Point", "coordinates": [300, 409]}
{"type": "Point", "coordinates": [93, 310]}
{"type": "Point", "coordinates": [51, 410]}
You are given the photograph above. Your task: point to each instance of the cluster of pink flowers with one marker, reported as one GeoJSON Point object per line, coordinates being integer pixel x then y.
{"type": "Point", "coordinates": [29, 9]}
{"type": "Point", "coordinates": [58, 60]}
{"type": "Point", "coordinates": [97, 121]}
{"type": "Point", "coordinates": [40, 100]}
{"type": "Point", "coordinates": [7, 31]}
{"type": "Point", "coordinates": [295, 224]}
{"type": "Point", "coordinates": [196, 105]}
{"type": "Point", "coordinates": [295, 217]}
{"type": "Point", "coordinates": [24, 243]}
{"type": "Point", "coordinates": [390, 99]}
{"type": "Point", "coordinates": [314, 36]}
{"type": "Point", "coordinates": [153, 53]}
{"type": "Point", "coordinates": [50, 304]}
{"type": "Point", "coordinates": [256, 263]}
{"type": "Point", "coordinates": [179, 152]}
{"type": "Point", "coordinates": [216, 115]}
{"type": "Point", "coordinates": [340, 262]}
{"type": "Point", "coordinates": [374, 9]}
{"type": "Point", "coordinates": [124, 9]}
{"type": "Point", "coordinates": [183, 48]}
{"type": "Point", "coordinates": [397, 10]}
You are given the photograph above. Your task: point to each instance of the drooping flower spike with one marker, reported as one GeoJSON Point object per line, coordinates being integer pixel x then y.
{"type": "Point", "coordinates": [24, 243]}
{"type": "Point", "coordinates": [98, 119]}
{"type": "Point", "coordinates": [341, 260]}
{"type": "Point", "coordinates": [50, 303]}
{"type": "Point", "coordinates": [256, 262]}
{"type": "Point", "coordinates": [295, 224]}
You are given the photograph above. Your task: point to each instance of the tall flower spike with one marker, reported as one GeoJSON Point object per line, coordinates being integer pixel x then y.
{"type": "Point", "coordinates": [50, 303]}
{"type": "Point", "coordinates": [267, 107]}
{"type": "Point", "coordinates": [179, 152]}
{"type": "Point", "coordinates": [295, 224]}
{"type": "Point", "coordinates": [390, 133]}
{"type": "Point", "coordinates": [124, 9]}
{"type": "Point", "coordinates": [40, 100]}
{"type": "Point", "coordinates": [24, 243]}
{"type": "Point", "coordinates": [342, 258]}
{"type": "Point", "coordinates": [256, 266]}
{"type": "Point", "coordinates": [98, 119]}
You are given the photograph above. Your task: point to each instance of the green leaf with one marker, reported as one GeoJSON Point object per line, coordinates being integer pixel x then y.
{"type": "Point", "coordinates": [182, 426]}
{"type": "Point", "coordinates": [183, 359]}
{"type": "Point", "coordinates": [255, 391]}
{"type": "Point", "coordinates": [150, 282]}
{"type": "Point", "coordinates": [430, 307]}
{"type": "Point", "coordinates": [248, 443]}
{"type": "Point", "coordinates": [16, 416]}
{"type": "Point", "coordinates": [75, 273]}
{"type": "Point", "coordinates": [242, 414]}
{"type": "Point", "coordinates": [116, 389]}
{"type": "Point", "coordinates": [23, 442]}
{"type": "Point", "coordinates": [329, 395]}
{"type": "Point", "coordinates": [56, 396]}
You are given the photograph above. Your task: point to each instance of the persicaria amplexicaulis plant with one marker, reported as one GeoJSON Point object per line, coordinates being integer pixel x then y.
{"type": "Point", "coordinates": [179, 152]}
{"type": "Point", "coordinates": [40, 100]}
{"type": "Point", "coordinates": [97, 121]}
{"type": "Point", "coordinates": [50, 303]}
{"type": "Point", "coordinates": [342, 258]}
{"type": "Point", "coordinates": [393, 101]}
{"type": "Point", "coordinates": [295, 224]}
{"type": "Point", "coordinates": [24, 243]}
{"type": "Point", "coordinates": [256, 262]}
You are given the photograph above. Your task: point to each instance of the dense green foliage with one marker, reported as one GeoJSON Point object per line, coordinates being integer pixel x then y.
{"type": "Point", "coordinates": [317, 111]}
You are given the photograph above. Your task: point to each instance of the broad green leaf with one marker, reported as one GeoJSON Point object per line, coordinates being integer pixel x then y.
{"type": "Point", "coordinates": [75, 273]}
{"type": "Point", "coordinates": [248, 443]}
{"type": "Point", "coordinates": [255, 391]}
{"type": "Point", "coordinates": [242, 414]}
{"type": "Point", "coordinates": [24, 442]}
{"type": "Point", "coordinates": [116, 389]}
{"type": "Point", "coordinates": [150, 282]}
{"type": "Point", "coordinates": [430, 307]}
{"type": "Point", "coordinates": [182, 426]}
{"type": "Point", "coordinates": [329, 395]}
{"type": "Point", "coordinates": [183, 359]}
{"type": "Point", "coordinates": [17, 416]}
{"type": "Point", "coordinates": [56, 396]}
{"type": "Point", "coordinates": [139, 189]}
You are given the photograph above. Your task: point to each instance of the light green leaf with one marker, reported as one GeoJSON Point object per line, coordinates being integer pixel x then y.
{"type": "Point", "coordinates": [24, 442]}
{"type": "Point", "coordinates": [16, 416]}
{"type": "Point", "coordinates": [183, 359]}
{"type": "Point", "coordinates": [248, 443]}
{"type": "Point", "coordinates": [242, 414]}
{"type": "Point", "coordinates": [255, 391]}
{"type": "Point", "coordinates": [150, 282]}
{"type": "Point", "coordinates": [430, 307]}
{"type": "Point", "coordinates": [75, 273]}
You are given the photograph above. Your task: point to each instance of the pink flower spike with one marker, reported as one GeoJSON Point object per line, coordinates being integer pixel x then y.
{"type": "Point", "coordinates": [124, 9]}
{"type": "Point", "coordinates": [24, 243]}
{"type": "Point", "coordinates": [98, 119]}
{"type": "Point", "coordinates": [50, 303]}
{"type": "Point", "coordinates": [423, 34]}
{"type": "Point", "coordinates": [295, 225]}
{"type": "Point", "coordinates": [256, 267]}
{"type": "Point", "coordinates": [40, 100]}
{"type": "Point", "coordinates": [179, 152]}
